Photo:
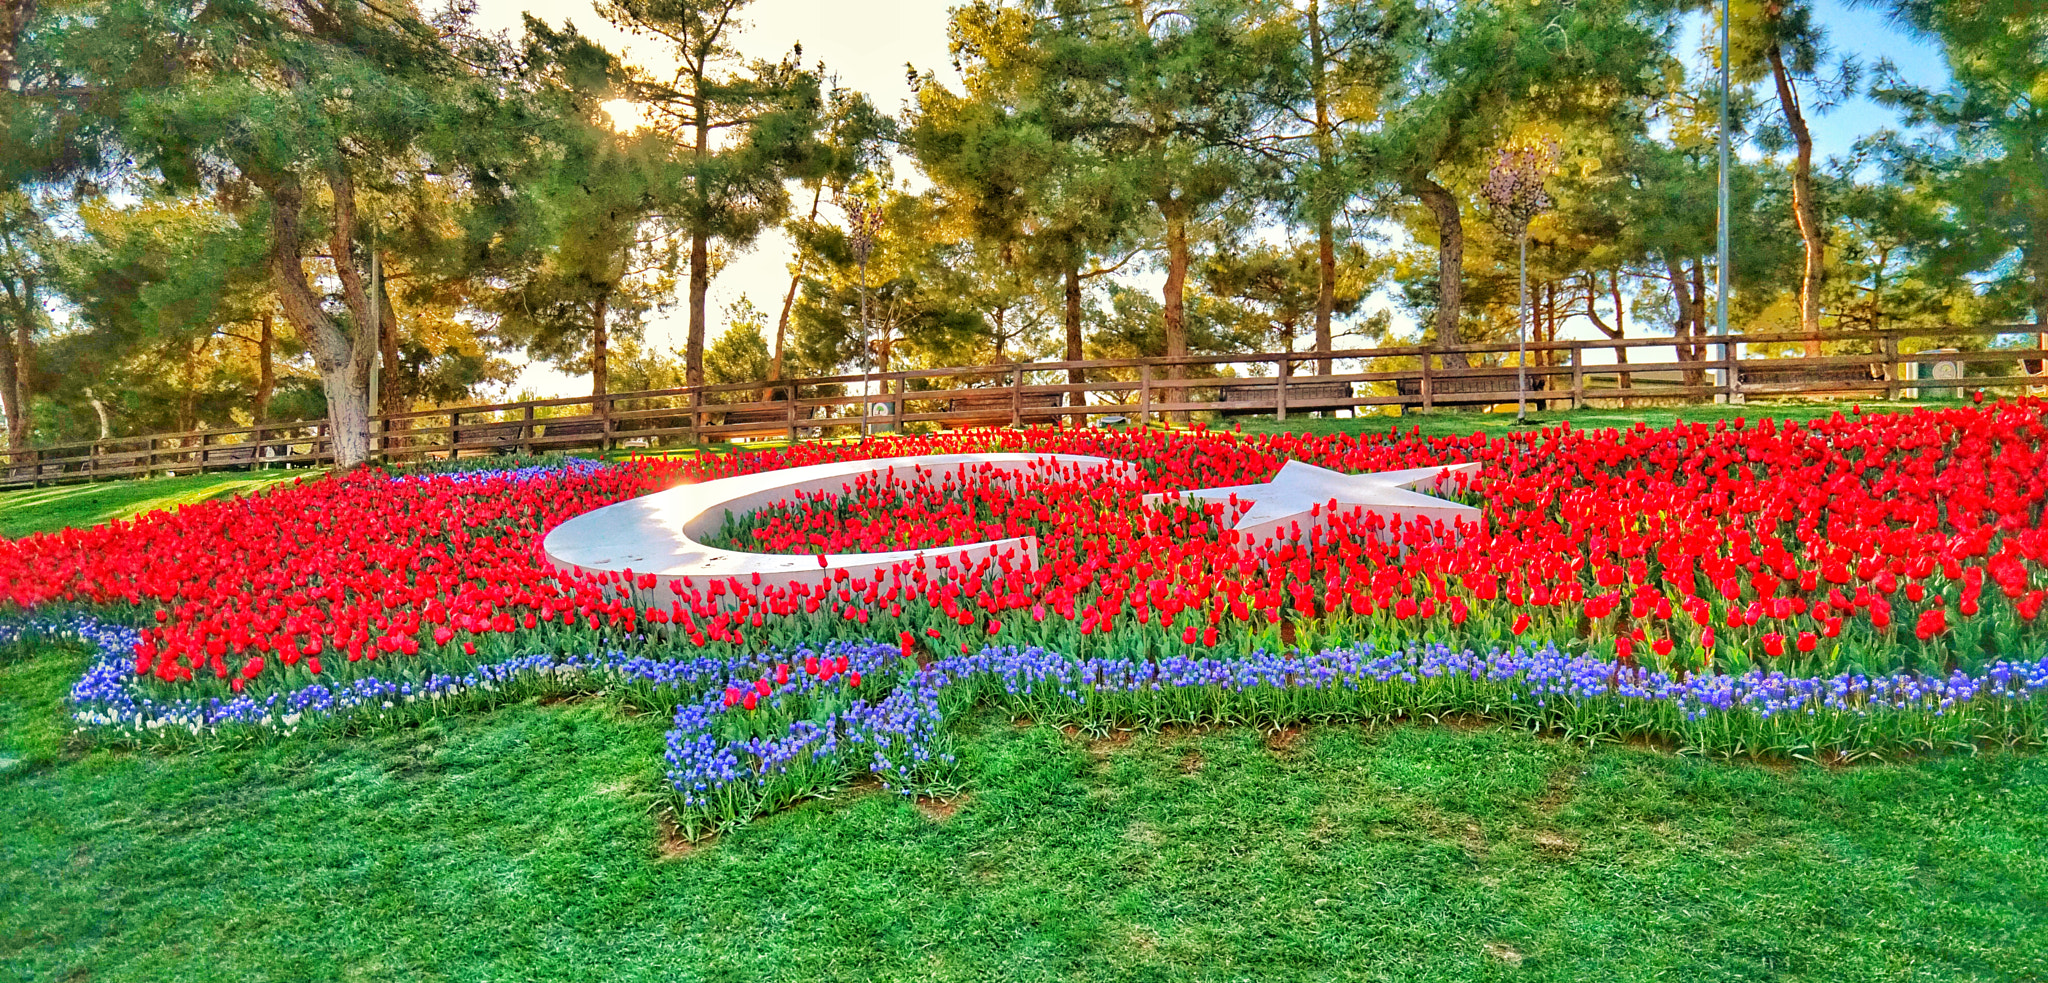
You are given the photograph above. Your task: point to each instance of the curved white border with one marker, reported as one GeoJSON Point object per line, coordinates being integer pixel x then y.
{"type": "Point", "coordinates": [656, 534]}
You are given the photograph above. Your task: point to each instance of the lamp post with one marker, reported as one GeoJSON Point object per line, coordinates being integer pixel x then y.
{"type": "Point", "coordinates": [1514, 195]}
{"type": "Point", "coordinates": [1721, 233]}
{"type": "Point", "coordinates": [863, 223]}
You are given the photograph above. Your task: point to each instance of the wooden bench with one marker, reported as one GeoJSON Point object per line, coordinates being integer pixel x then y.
{"type": "Point", "coordinates": [993, 409]}
{"type": "Point", "coordinates": [119, 461]}
{"type": "Point", "coordinates": [27, 472]}
{"type": "Point", "coordinates": [761, 421]}
{"type": "Point", "coordinates": [500, 435]}
{"type": "Point", "coordinates": [574, 428]}
{"type": "Point", "coordinates": [1804, 379]}
{"type": "Point", "coordinates": [227, 454]}
{"type": "Point", "coordinates": [1300, 395]}
{"type": "Point", "coordinates": [1466, 390]}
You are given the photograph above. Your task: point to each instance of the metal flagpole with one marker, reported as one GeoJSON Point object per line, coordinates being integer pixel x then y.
{"type": "Point", "coordinates": [1721, 236]}
{"type": "Point", "coordinates": [1522, 339]}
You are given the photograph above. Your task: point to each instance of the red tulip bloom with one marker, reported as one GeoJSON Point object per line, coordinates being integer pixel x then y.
{"type": "Point", "coordinates": [1933, 622]}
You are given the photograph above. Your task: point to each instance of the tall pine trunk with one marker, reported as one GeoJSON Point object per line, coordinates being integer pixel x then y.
{"type": "Point", "coordinates": [11, 401]}
{"type": "Point", "coordinates": [341, 354]}
{"type": "Point", "coordinates": [600, 343]}
{"type": "Point", "coordinates": [1174, 301]}
{"type": "Point", "coordinates": [1804, 210]}
{"type": "Point", "coordinates": [1685, 330]}
{"type": "Point", "coordinates": [1450, 263]}
{"type": "Point", "coordinates": [188, 414]}
{"type": "Point", "coordinates": [14, 18]}
{"type": "Point", "coordinates": [99, 408]}
{"type": "Point", "coordinates": [796, 277]}
{"type": "Point", "coordinates": [1620, 329]}
{"type": "Point", "coordinates": [700, 252]}
{"type": "Point", "coordinates": [1326, 290]}
{"type": "Point", "coordinates": [1074, 352]}
{"type": "Point", "coordinates": [266, 374]}
{"type": "Point", "coordinates": [700, 286]}
{"type": "Point", "coordinates": [17, 362]}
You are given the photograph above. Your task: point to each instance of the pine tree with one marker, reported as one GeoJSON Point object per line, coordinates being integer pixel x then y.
{"type": "Point", "coordinates": [737, 130]}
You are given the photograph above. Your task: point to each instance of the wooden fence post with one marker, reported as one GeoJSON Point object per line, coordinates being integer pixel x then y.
{"type": "Point", "coordinates": [1017, 398]}
{"type": "Point", "coordinates": [1280, 388]}
{"type": "Point", "coordinates": [1892, 369]}
{"type": "Point", "coordinates": [526, 431]}
{"type": "Point", "coordinates": [1578, 377]}
{"type": "Point", "coordinates": [1731, 368]}
{"type": "Point", "coordinates": [603, 405]}
{"type": "Point", "coordinates": [1428, 390]}
{"type": "Point", "coordinates": [454, 434]}
{"type": "Point", "coordinates": [789, 399]}
{"type": "Point", "coordinates": [1145, 395]}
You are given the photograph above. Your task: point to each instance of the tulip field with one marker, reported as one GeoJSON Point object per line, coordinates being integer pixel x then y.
{"type": "Point", "coordinates": [1853, 586]}
{"type": "Point", "coordinates": [1724, 700]}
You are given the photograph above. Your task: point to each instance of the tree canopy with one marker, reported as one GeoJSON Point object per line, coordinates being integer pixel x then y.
{"type": "Point", "coordinates": [227, 211]}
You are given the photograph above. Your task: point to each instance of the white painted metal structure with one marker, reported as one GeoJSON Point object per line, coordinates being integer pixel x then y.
{"type": "Point", "coordinates": [658, 534]}
{"type": "Point", "coordinates": [1294, 494]}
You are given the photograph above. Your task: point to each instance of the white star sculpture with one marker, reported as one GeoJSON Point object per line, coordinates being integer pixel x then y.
{"type": "Point", "coordinates": [1299, 488]}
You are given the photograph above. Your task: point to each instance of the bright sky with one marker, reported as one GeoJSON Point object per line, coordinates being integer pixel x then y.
{"type": "Point", "coordinates": [868, 42]}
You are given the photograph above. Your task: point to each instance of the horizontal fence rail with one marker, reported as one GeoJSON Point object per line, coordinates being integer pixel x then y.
{"type": "Point", "coordinates": [1561, 374]}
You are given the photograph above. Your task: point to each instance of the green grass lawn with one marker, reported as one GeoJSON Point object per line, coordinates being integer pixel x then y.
{"type": "Point", "coordinates": [50, 509]}
{"type": "Point", "coordinates": [526, 843]}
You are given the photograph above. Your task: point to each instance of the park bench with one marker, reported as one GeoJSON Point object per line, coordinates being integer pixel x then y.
{"type": "Point", "coordinates": [1803, 378]}
{"type": "Point", "coordinates": [993, 408]}
{"type": "Point", "coordinates": [761, 421]}
{"type": "Point", "coordinates": [498, 435]}
{"type": "Point", "coordinates": [1300, 396]}
{"type": "Point", "coordinates": [574, 428]}
{"type": "Point", "coordinates": [227, 454]}
{"type": "Point", "coordinates": [1464, 389]}
{"type": "Point", "coordinates": [119, 461]}
{"type": "Point", "coordinates": [32, 472]}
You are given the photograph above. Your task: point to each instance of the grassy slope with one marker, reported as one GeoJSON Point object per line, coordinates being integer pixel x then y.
{"type": "Point", "coordinates": [522, 844]}
{"type": "Point", "coordinates": [50, 509]}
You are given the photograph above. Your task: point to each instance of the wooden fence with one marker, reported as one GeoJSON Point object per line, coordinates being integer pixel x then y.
{"type": "Point", "coordinates": [1559, 374]}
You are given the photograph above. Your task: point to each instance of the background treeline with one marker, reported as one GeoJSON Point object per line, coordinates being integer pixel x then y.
{"type": "Point", "coordinates": [217, 211]}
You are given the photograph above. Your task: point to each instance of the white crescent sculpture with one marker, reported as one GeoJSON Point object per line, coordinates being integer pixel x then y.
{"type": "Point", "coordinates": [658, 534]}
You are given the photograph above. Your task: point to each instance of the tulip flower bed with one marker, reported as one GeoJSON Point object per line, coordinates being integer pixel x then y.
{"type": "Point", "coordinates": [1855, 585]}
